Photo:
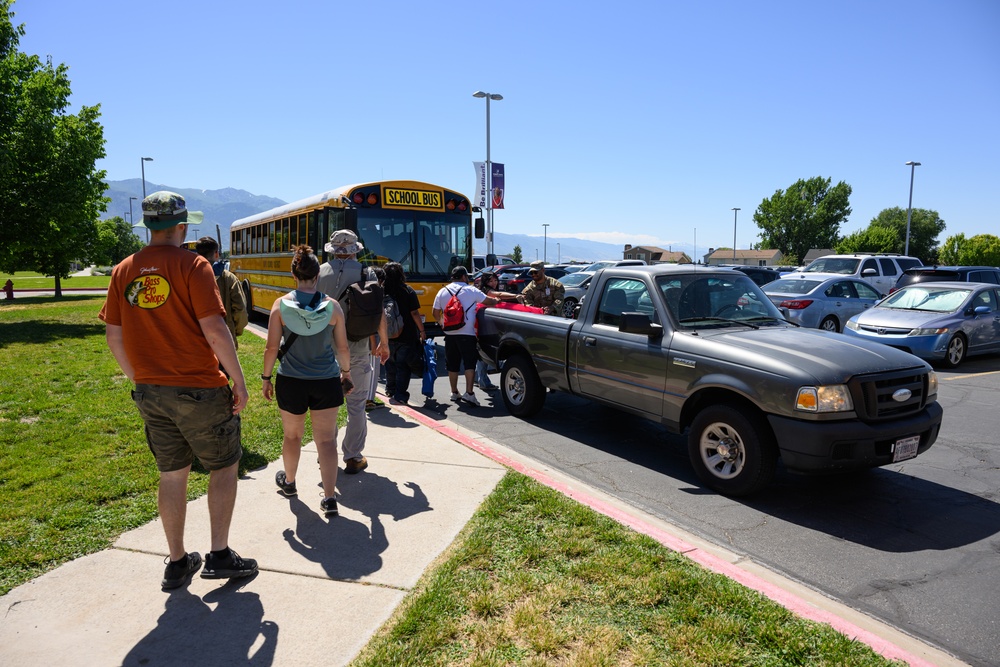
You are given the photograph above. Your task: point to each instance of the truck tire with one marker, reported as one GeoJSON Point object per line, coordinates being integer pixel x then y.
{"type": "Point", "coordinates": [522, 391]}
{"type": "Point", "coordinates": [732, 452]}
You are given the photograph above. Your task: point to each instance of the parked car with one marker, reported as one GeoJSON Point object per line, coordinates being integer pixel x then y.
{"type": "Point", "coordinates": [944, 322]}
{"type": "Point", "coordinates": [576, 285]}
{"type": "Point", "coordinates": [479, 261]}
{"type": "Point", "coordinates": [761, 275]}
{"type": "Point", "coordinates": [605, 263]}
{"type": "Point", "coordinates": [515, 282]}
{"type": "Point", "coordinates": [879, 271]}
{"type": "Point", "coordinates": [937, 274]}
{"type": "Point", "coordinates": [821, 301]}
{"type": "Point", "coordinates": [573, 268]}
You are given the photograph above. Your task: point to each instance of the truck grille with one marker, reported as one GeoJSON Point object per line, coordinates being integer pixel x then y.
{"type": "Point", "coordinates": [873, 394]}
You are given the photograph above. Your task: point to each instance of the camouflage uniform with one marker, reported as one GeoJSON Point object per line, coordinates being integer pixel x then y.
{"type": "Point", "coordinates": [548, 295]}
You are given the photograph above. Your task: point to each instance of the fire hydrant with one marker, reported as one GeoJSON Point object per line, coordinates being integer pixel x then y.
{"type": "Point", "coordinates": [8, 289]}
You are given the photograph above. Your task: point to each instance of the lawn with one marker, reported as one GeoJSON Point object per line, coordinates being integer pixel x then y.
{"type": "Point", "coordinates": [533, 579]}
{"type": "Point", "coordinates": [24, 280]}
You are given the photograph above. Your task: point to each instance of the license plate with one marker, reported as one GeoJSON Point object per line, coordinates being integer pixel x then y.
{"type": "Point", "coordinates": [905, 448]}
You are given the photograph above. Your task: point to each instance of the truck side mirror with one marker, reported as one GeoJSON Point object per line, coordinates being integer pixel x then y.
{"type": "Point", "coordinates": [639, 323]}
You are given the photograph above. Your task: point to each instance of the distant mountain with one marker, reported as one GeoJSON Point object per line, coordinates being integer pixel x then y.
{"type": "Point", "coordinates": [557, 250]}
{"type": "Point", "coordinates": [221, 207]}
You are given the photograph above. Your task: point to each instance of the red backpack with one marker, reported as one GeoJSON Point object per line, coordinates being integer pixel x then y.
{"type": "Point", "coordinates": [454, 312]}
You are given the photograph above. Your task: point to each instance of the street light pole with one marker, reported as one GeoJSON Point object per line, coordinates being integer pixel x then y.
{"type": "Point", "coordinates": [545, 243]}
{"type": "Point", "coordinates": [489, 171]}
{"type": "Point", "coordinates": [909, 207]}
{"type": "Point", "coordinates": [131, 215]}
{"type": "Point", "coordinates": [736, 212]}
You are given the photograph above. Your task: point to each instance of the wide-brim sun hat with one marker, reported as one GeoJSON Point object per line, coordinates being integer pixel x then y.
{"type": "Point", "coordinates": [305, 320]}
{"type": "Point", "coordinates": [344, 242]}
{"type": "Point", "coordinates": [165, 209]}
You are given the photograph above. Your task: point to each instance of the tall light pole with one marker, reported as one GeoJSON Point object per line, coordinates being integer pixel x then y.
{"type": "Point", "coordinates": [131, 215]}
{"type": "Point", "coordinates": [545, 243]}
{"type": "Point", "coordinates": [558, 253]}
{"type": "Point", "coordinates": [142, 163]}
{"type": "Point", "coordinates": [489, 170]}
{"type": "Point", "coordinates": [909, 207]}
{"type": "Point", "coordinates": [736, 212]}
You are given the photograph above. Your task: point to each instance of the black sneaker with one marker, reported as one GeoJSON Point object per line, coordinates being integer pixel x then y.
{"type": "Point", "coordinates": [286, 488]}
{"type": "Point", "coordinates": [177, 573]}
{"type": "Point", "coordinates": [329, 507]}
{"type": "Point", "coordinates": [228, 567]}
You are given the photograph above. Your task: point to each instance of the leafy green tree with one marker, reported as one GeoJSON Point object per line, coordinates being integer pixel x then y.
{"type": "Point", "coordinates": [873, 239]}
{"type": "Point", "coordinates": [980, 250]}
{"type": "Point", "coordinates": [51, 194]}
{"type": "Point", "coordinates": [516, 254]}
{"type": "Point", "coordinates": [807, 215]}
{"type": "Point", "coordinates": [925, 227]}
{"type": "Point", "coordinates": [115, 242]}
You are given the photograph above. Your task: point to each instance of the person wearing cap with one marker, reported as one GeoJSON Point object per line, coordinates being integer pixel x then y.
{"type": "Point", "coordinates": [460, 344]}
{"type": "Point", "coordinates": [313, 376]}
{"type": "Point", "coordinates": [542, 291]}
{"type": "Point", "coordinates": [166, 327]}
{"type": "Point", "coordinates": [335, 275]}
{"type": "Point", "coordinates": [229, 288]}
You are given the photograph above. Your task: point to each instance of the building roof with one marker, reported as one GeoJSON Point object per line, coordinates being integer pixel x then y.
{"type": "Point", "coordinates": [727, 254]}
{"type": "Point", "coordinates": [657, 254]}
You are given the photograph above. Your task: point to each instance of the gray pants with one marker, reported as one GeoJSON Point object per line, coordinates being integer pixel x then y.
{"type": "Point", "coordinates": [356, 431]}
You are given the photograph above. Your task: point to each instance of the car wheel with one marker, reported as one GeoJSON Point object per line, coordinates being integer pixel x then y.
{"type": "Point", "coordinates": [830, 323]}
{"type": "Point", "coordinates": [522, 390]}
{"type": "Point", "coordinates": [732, 451]}
{"type": "Point", "coordinates": [568, 306]}
{"type": "Point", "coordinates": [955, 353]}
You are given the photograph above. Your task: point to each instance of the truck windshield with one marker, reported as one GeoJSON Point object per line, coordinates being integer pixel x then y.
{"type": "Point", "coordinates": [706, 301]}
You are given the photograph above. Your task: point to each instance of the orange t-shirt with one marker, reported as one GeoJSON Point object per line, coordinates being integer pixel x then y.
{"type": "Point", "coordinates": [157, 297]}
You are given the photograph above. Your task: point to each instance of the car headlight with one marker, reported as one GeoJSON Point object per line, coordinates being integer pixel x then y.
{"type": "Point", "coordinates": [852, 324]}
{"type": "Point", "coordinates": [932, 384]}
{"type": "Point", "coordinates": [835, 398]}
{"type": "Point", "coordinates": [928, 332]}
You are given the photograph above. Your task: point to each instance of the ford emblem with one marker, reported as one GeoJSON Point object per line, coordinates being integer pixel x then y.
{"type": "Point", "coordinates": [901, 395]}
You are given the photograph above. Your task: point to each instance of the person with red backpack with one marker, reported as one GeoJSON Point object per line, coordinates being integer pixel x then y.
{"type": "Point", "coordinates": [455, 310]}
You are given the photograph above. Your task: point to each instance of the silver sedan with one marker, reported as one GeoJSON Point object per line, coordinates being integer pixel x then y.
{"type": "Point", "coordinates": [821, 301]}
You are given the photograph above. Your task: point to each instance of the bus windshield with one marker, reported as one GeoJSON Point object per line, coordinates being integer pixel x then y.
{"type": "Point", "coordinates": [428, 244]}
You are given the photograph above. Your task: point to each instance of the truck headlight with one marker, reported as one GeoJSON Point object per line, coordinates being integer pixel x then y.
{"type": "Point", "coordinates": [835, 398]}
{"type": "Point", "coordinates": [932, 382]}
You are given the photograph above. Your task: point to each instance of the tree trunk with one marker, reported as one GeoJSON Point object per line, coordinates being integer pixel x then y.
{"type": "Point", "coordinates": [58, 293]}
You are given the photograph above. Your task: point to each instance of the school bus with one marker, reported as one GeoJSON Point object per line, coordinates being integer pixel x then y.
{"type": "Point", "coordinates": [426, 228]}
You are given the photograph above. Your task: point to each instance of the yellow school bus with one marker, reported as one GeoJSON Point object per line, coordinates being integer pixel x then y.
{"type": "Point", "coordinates": [426, 228]}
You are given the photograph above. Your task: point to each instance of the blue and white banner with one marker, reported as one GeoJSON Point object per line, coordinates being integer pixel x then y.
{"type": "Point", "coordinates": [496, 184]}
{"type": "Point", "coordinates": [481, 188]}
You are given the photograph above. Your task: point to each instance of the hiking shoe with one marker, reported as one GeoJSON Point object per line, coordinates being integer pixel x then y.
{"type": "Point", "coordinates": [228, 567]}
{"type": "Point", "coordinates": [455, 396]}
{"type": "Point", "coordinates": [329, 506]}
{"type": "Point", "coordinates": [397, 401]}
{"type": "Point", "coordinates": [371, 405]}
{"type": "Point", "coordinates": [177, 573]}
{"type": "Point", "coordinates": [470, 398]}
{"type": "Point", "coordinates": [286, 488]}
{"type": "Point", "coordinates": [353, 467]}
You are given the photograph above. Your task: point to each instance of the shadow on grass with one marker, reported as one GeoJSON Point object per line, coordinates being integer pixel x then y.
{"type": "Point", "coordinates": [45, 331]}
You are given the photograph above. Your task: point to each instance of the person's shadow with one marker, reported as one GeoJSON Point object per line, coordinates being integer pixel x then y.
{"type": "Point", "coordinates": [190, 632]}
{"type": "Point", "coordinates": [348, 549]}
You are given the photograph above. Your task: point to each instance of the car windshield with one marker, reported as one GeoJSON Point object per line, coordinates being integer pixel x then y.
{"type": "Point", "coordinates": [791, 286]}
{"type": "Point", "coordinates": [574, 279]}
{"type": "Point", "coordinates": [700, 301]}
{"type": "Point", "coordinates": [844, 265]}
{"type": "Point", "coordinates": [927, 298]}
{"type": "Point", "coordinates": [597, 266]}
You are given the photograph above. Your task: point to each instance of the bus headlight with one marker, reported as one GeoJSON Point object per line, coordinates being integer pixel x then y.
{"type": "Point", "coordinates": [834, 398]}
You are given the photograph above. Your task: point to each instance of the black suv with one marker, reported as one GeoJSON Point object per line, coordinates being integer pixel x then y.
{"type": "Point", "coordinates": [761, 275]}
{"type": "Point", "coordinates": [937, 274]}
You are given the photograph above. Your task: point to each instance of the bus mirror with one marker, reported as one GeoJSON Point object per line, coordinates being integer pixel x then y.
{"type": "Point", "coordinates": [491, 260]}
{"type": "Point", "coordinates": [480, 228]}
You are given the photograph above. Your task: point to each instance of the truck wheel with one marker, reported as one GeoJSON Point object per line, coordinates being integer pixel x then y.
{"type": "Point", "coordinates": [522, 391]}
{"type": "Point", "coordinates": [955, 353]}
{"type": "Point", "coordinates": [732, 452]}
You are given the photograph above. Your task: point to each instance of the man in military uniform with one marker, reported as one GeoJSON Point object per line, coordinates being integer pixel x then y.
{"type": "Point", "coordinates": [543, 291]}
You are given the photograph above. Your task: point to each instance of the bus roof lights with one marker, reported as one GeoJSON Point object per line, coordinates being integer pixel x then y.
{"type": "Point", "coordinates": [359, 198]}
{"type": "Point", "coordinates": [463, 205]}
{"type": "Point", "coordinates": [450, 205]}
{"type": "Point", "coordinates": [372, 199]}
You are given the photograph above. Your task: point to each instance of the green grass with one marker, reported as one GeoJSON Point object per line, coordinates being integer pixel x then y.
{"type": "Point", "coordinates": [537, 579]}
{"type": "Point", "coordinates": [35, 281]}
{"type": "Point", "coordinates": [534, 579]}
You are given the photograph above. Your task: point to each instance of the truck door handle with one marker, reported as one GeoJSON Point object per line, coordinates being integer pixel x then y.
{"type": "Point", "coordinates": [589, 341]}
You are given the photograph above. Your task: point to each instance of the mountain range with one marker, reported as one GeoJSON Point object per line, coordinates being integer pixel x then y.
{"type": "Point", "coordinates": [223, 207]}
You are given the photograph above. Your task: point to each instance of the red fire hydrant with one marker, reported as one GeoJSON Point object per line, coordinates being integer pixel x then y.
{"type": "Point", "coordinates": [8, 289]}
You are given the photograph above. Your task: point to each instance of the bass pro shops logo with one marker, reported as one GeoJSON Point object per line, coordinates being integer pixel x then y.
{"type": "Point", "coordinates": [150, 291]}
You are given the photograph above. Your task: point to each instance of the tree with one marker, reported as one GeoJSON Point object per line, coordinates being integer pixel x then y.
{"type": "Point", "coordinates": [115, 242]}
{"type": "Point", "coordinates": [980, 250]}
{"type": "Point", "coordinates": [516, 254]}
{"type": "Point", "coordinates": [874, 239]}
{"type": "Point", "coordinates": [925, 226]}
{"type": "Point", "coordinates": [807, 215]}
{"type": "Point", "coordinates": [52, 193]}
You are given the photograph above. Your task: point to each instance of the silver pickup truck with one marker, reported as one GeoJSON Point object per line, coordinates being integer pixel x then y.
{"type": "Point", "coordinates": [703, 350]}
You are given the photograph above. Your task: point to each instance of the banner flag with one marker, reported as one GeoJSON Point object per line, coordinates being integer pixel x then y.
{"type": "Point", "coordinates": [480, 198]}
{"type": "Point", "coordinates": [497, 184]}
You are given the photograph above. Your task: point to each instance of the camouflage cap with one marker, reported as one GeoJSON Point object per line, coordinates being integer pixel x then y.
{"type": "Point", "coordinates": [538, 265]}
{"type": "Point", "coordinates": [164, 209]}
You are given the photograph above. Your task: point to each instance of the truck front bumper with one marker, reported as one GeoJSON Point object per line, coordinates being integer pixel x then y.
{"type": "Point", "coordinates": [811, 447]}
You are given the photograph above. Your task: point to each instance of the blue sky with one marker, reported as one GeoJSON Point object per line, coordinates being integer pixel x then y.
{"type": "Point", "coordinates": [627, 122]}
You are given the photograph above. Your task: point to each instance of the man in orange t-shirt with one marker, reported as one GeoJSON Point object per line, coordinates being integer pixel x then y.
{"type": "Point", "coordinates": [166, 328]}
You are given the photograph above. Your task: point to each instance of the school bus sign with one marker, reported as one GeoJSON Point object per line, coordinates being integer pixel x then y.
{"type": "Point", "coordinates": [413, 198]}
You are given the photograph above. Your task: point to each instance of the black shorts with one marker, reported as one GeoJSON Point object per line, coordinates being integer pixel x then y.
{"type": "Point", "coordinates": [296, 395]}
{"type": "Point", "coordinates": [460, 349]}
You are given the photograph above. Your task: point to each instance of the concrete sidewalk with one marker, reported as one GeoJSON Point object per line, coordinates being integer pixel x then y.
{"type": "Point", "coordinates": [326, 586]}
